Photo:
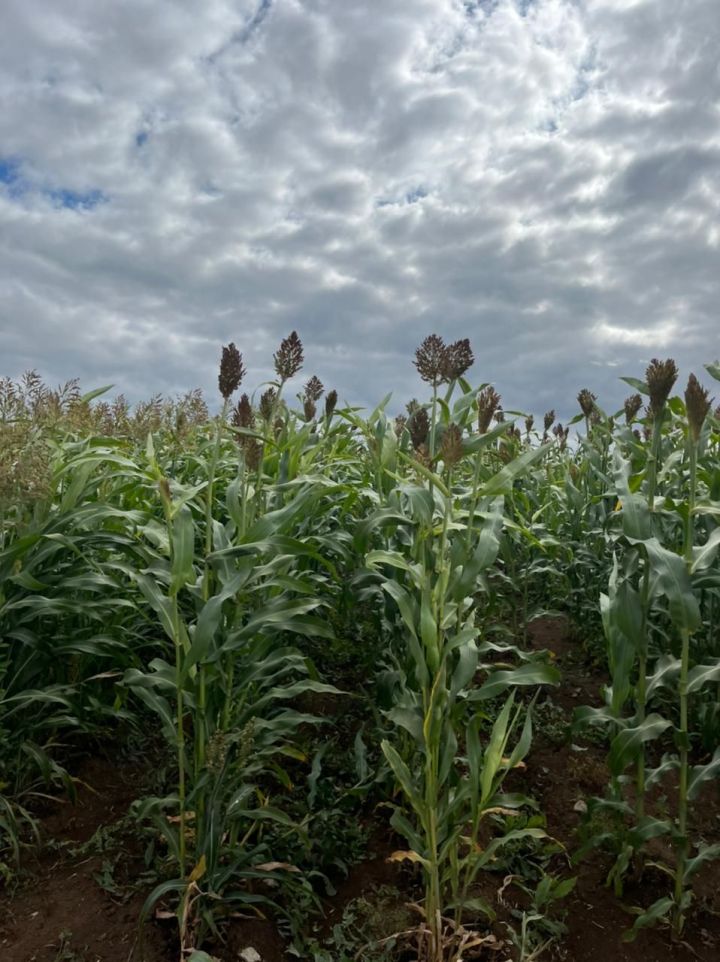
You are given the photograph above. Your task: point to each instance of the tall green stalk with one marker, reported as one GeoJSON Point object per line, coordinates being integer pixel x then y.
{"type": "Point", "coordinates": [179, 700]}
{"type": "Point", "coordinates": [641, 693]}
{"type": "Point", "coordinates": [201, 730]}
{"type": "Point", "coordinates": [683, 734]}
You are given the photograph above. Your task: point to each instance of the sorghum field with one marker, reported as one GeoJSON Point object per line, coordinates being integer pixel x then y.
{"type": "Point", "coordinates": [301, 681]}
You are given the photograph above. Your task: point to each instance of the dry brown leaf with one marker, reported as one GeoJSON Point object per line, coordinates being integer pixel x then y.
{"type": "Point", "coordinates": [402, 856]}
{"type": "Point", "coordinates": [271, 866]}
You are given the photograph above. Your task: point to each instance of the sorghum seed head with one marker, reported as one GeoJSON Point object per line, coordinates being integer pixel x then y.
{"type": "Point", "coordinates": [289, 358]}
{"type": "Point", "coordinates": [330, 403]}
{"type": "Point", "coordinates": [243, 416]}
{"type": "Point", "coordinates": [267, 403]}
{"type": "Point", "coordinates": [314, 389]}
{"type": "Point", "coordinates": [419, 427]}
{"type": "Point", "coordinates": [231, 371]}
{"type": "Point", "coordinates": [253, 450]}
{"type": "Point", "coordinates": [309, 409]}
{"type": "Point", "coordinates": [217, 752]}
{"type": "Point", "coordinates": [561, 434]}
{"type": "Point", "coordinates": [400, 424]}
{"type": "Point", "coordinates": [451, 450]}
{"type": "Point", "coordinates": [548, 420]}
{"type": "Point", "coordinates": [430, 359]}
{"type": "Point", "coordinates": [246, 741]}
{"type": "Point", "coordinates": [529, 422]}
{"type": "Point", "coordinates": [422, 454]}
{"type": "Point", "coordinates": [487, 403]}
{"type": "Point", "coordinates": [660, 377]}
{"type": "Point", "coordinates": [458, 359]}
{"type": "Point", "coordinates": [586, 400]}
{"type": "Point", "coordinates": [697, 405]}
{"type": "Point", "coordinates": [632, 406]}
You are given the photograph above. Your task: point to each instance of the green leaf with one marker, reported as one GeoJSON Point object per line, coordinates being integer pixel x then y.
{"type": "Point", "coordinates": [530, 673]}
{"type": "Point", "coordinates": [205, 630]}
{"type": "Point", "coordinates": [704, 555]}
{"type": "Point", "coordinates": [636, 519]}
{"type": "Point", "coordinates": [96, 392]}
{"type": "Point", "coordinates": [706, 853]}
{"type": "Point", "coordinates": [402, 774]}
{"type": "Point", "coordinates": [714, 370]}
{"type": "Point", "coordinates": [495, 750]}
{"type": "Point", "coordinates": [673, 580]}
{"type": "Point", "coordinates": [667, 671]}
{"type": "Point", "coordinates": [700, 675]}
{"type": "Point", "coordinates": [183, 550]}
{"type": "Point", "coordinates": [658, 910]}
{"type": "Point", "coordinates": [700, 774]}
{"type": "Point", "coordinates": [501, 483]}
{"type": "Point", "coordinates": [626, 744]}
{"type": "Point", "coordinates": [640, 386]}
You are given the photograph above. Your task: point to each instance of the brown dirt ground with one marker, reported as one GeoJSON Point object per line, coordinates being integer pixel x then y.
{"type": "Point", "coordinates": [61, 914]}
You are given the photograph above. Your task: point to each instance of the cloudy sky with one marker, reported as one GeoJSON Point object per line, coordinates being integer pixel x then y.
{"type": "Point", "coordinates": [541, 176]}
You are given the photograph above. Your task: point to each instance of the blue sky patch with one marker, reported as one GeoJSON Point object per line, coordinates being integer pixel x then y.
{"type": "Point", "coordinates": [76, 199]}
{"type": "Point", "coordinates": [16, 185]}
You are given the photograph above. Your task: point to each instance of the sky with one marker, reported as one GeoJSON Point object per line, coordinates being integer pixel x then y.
{"type": "Point", "coordinates": [540, 176]}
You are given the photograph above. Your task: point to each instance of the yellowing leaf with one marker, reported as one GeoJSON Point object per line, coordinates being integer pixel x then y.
{"type": "Point", "coordinates": [199, 870]}
{"type": "Point", "coordinates": [402, 856]}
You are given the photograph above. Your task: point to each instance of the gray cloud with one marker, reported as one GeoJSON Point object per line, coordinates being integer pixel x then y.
{"type": "Point", "coordinates": [540, 176]}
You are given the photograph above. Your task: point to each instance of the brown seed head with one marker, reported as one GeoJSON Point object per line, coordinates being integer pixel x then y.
{"type": "Point", "coordinates": [451, 450]}
{"type": "Point", "coordinates": [289, 358]}
{"type": "Point", "coordinates": [314, 389]}
{"type": "Point", "coordinates": [419, 427]}
{"type": "Point", "coordinates": [253, 450]}
{"type": "Point", "coordinates": [458, 359]}
{"type": "Point", "coordinates": [231, 371]}
{"type": "Point", "coordinates": [487, 402]}
{"type": "Point", "coordinates": [697, 405]}
{"type": "Point", "coordinates": [243, 416]}
{"type": "Point", "coordinates": [400, 424]}
{"type": "Point", "coordinates": [660, 377]}
{"type": "Point", "coordinates": [632, 406]}
{"type": "Point", "coordinates": [529, 422]}
{"type": "Point", "coordinates": [548, 420]}
{"type": "Point", "coordinates": [267, 403]}
{"type": "Point", "coordinates": [309, 409]}
{"type": "Point", "coordinates": [430, 359]}
{"type": "Point", "coordinates": [331, 400]}
{"type": "Point", "coordinates": [422, 454]}
{"type": "Point", "coordinates": [561, 434]}
{"type": "Point", "coordinates": [586, 400]}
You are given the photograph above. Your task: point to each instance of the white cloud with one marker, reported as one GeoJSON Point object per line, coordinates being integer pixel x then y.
{"type": "Point", "coordinates": [542, 177]}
